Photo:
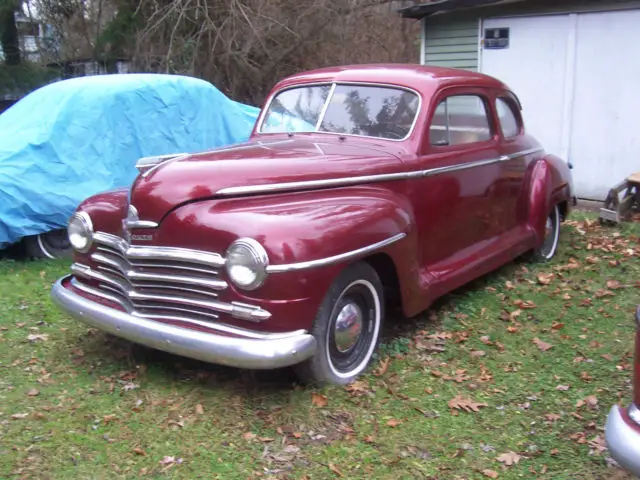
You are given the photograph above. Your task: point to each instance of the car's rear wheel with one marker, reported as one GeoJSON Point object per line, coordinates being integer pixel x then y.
{"type": "Point", "coordinates": [53, 244]}
{"type": "Point", "coordinates": [347, 328]}
{"type": "Point", "coordinates": [546, 251]}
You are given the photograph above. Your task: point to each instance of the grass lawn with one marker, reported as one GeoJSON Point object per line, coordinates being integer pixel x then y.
{"type": "Point", "coordinates": [510, 377]}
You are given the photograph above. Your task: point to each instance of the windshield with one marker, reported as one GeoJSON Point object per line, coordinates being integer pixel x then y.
{"type": "Point", "coordinates": [370, 111]}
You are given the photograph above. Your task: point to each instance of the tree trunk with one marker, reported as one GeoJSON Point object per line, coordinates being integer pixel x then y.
{"type": "Point", "coordinates": [9, 36]}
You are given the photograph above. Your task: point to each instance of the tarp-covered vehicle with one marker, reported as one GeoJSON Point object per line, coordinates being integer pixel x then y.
{"type": "Point", "coordinates": [72, 139]}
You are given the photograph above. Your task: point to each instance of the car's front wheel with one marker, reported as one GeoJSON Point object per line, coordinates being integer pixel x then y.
{"type": "Point", "coordinates": [347, 327]}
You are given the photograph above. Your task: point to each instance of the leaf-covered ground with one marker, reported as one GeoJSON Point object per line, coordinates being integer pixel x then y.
{"type": "Point", "coordinates": [510, 377]}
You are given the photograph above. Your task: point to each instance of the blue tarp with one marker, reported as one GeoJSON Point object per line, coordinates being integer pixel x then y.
{"type": "Point", "coordinates": [72, 139]}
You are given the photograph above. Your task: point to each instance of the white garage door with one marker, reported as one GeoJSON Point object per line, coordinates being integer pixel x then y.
{"type": "Point", "coordinates": [577, 77]}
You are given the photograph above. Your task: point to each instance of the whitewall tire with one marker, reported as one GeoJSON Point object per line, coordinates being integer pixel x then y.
{"type": "Point", "coordinates": [347, 327]}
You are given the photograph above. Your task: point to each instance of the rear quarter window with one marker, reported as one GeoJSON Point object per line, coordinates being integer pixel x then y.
{"type": "Point", "coordinates": [458, 120]}
{"type": "Point", "coordinates": [508, 119]}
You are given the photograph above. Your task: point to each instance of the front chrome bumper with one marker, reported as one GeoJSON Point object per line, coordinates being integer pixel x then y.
{"type": "Point", "coordinates": [266, 352]}
{"type": "Point", "coordinates": [623, 441]}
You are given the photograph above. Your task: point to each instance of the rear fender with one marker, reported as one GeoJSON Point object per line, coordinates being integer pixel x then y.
{"type": "Point", "coordinates": [549, 185]}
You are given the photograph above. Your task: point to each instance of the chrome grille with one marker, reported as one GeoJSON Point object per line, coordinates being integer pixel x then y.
{"type": "Point", "coordinates": [160, 282]}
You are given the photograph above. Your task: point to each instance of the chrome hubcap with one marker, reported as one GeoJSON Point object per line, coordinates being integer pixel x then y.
{"type": "Point", "coordinates": [548, 227]}
{"type": "Point", "coordinates": [348, 327]}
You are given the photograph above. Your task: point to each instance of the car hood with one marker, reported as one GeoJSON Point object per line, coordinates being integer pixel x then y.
{"type": "Point", "coordinates": [202, 176]}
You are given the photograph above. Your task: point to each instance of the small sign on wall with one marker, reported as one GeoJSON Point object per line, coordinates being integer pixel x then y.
{"type": "Point", "coordinates": [496, 38]}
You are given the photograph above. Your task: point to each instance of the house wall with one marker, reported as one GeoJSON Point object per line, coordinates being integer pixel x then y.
{"type": "Point", "coordinates": [452, 43]}
{"type": "Point", "coordinates": [574, 66]}
{"type": "Point", "coordinates": [452, 39]}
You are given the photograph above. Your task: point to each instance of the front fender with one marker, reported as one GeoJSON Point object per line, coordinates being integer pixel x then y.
{"type": "Point", "coordinates": [550, 184]}
{"type": "Point", "coordinates": [294, 228]}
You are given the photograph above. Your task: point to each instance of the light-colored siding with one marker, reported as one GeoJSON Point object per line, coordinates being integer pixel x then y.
{"type": "Point", "coordinates": [451, 44]}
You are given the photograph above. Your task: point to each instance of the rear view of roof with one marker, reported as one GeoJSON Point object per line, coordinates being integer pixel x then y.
{"type": "Point", "coordinates": [418, 77]}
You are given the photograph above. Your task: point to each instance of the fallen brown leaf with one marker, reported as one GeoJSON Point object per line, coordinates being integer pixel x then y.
{"type": "Point", "coordinates": [335, 470]}
{"type": "Point", "coordinates": [591, 401]}
{"type": "Point", "coordinates": [382, 369]}
{"type": "Point", "coordinates": [509, 458]}
{"type": "Point", "coordinates": [478, 353]}
{"type": "Point", "coordinates": [490, 473]}
{"type": "Point", "coordinates": [524, 304]}
{"type": "Point", "coordinates": [19, 416]}
{"type": "Point", "coordinates": [546, 278]}
{"type": "Point", "coordinates": [139, 451]}
{"type": "Point", "coordinates": [249, 436]}
{"type": "Point", "coordinates": [543, 346]}
{"type": "Point", "coordinates": [319, 400]}
{"type": "Point", "coordinates": [357, 388]}
{"type": "Point", "coordinates": [598, 444]}
{"type": "Point", "coordinates": [563, 388]}
{"type": "Point", "coordinates": [33, 392]}
{"type": "Point", "coordinates": [613, 284]}
{"type": "Point", "coordinates": [43, 337]}
{"type": "Point", "coordinates": [466, 404]}
{"type": "Point", "coordinates": [393, 423]}
{"type": "Point", "coordinates": [199, 409]}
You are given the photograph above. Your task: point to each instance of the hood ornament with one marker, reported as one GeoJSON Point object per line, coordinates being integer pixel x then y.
{"type": "Point", "coordinates": [133, 221]}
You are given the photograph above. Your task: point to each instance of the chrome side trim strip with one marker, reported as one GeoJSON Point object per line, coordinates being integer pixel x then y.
{"type": "Point", "coordinates": [323, 262]}
{"type": "Point", "coordinates": [333, 182]}
{"type": "Point", "coordinates": [386, 177]}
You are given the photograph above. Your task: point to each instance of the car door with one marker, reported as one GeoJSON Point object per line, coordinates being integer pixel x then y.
{"type": "Point", "coordinates": [516, 150]}
{"type": "Point", "coordinates": [461, 161]}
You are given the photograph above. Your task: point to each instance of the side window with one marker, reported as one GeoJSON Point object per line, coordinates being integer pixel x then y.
{"type": "Point", "coordinates": [458, 120]}
{"type": "Point", "coordinates": [508, 119]}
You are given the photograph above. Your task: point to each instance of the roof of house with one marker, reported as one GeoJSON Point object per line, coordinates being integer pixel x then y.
{"type": "Point", "coordinates": [437, 6]}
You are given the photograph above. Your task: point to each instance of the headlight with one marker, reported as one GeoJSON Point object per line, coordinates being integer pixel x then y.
{"type": "Point", "coordinates": [80, 231]}
{"type": "Point", "coordinates": [247, 263]}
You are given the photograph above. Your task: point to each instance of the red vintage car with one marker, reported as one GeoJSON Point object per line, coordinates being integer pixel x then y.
{"type": "Point", "coordinates": [622, 430]}
{"type": "Point", "coordinates": [358, 185]}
